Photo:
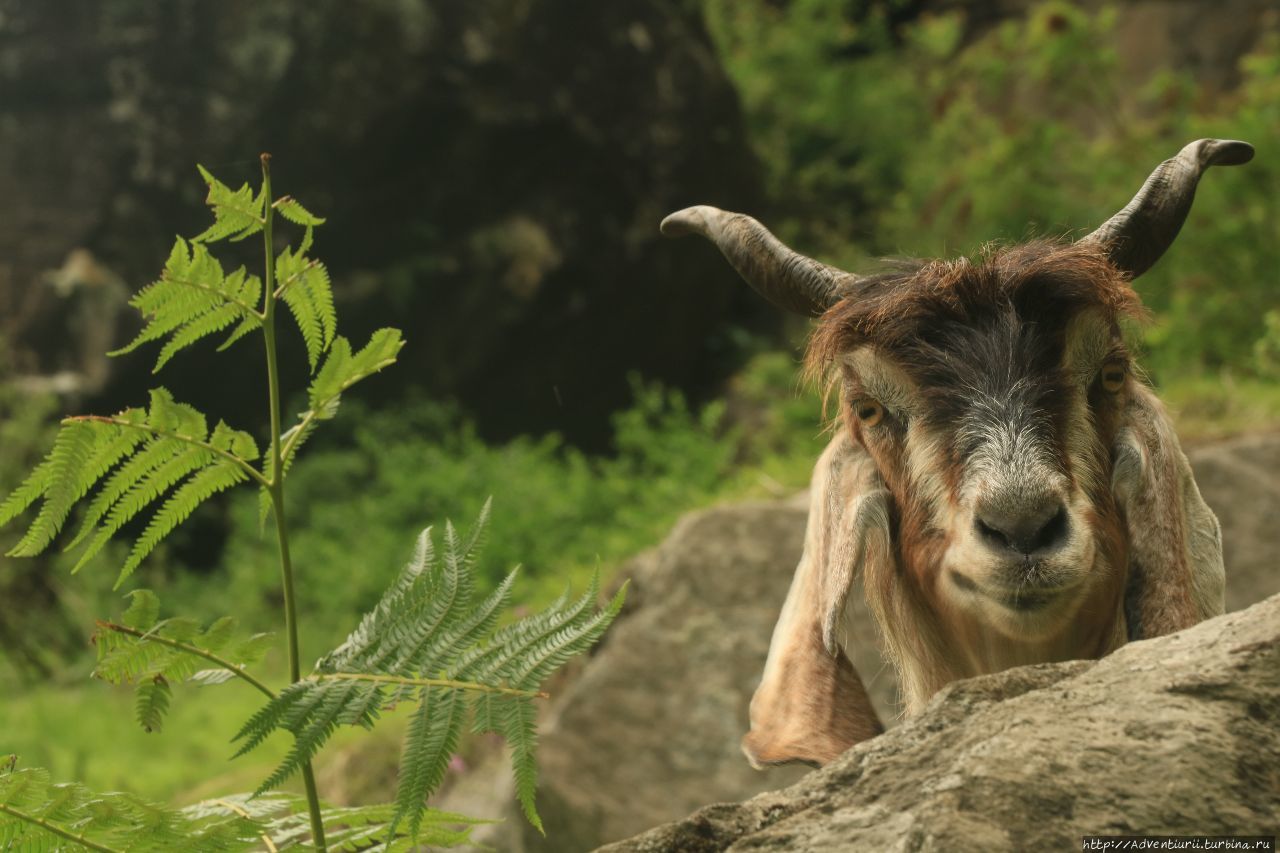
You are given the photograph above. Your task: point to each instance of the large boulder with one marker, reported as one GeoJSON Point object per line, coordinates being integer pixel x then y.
{"type": "Point", "coordinates": [493, 171]}
{"type": "Point", "coordinates": [649, 729]}
{"type": "Point", "coordinates": [1178, 735]}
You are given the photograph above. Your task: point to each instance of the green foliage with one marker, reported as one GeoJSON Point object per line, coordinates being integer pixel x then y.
{"type": "Point", "coordinates": [153, 654]}
{"type": "Point", "coordinates": [192, 300]}
{"type": "Point", "coordinates": [931, 138]}
{"type": "Point", "coordinates": [430, 642]}
{"type": "Point", "coordinates": [237, 213]}
{"type": "Point", "coordinates": [136, 457]}
{"type": "Point", "coordinates": [304, 287]}
{"type": "Point", "coordinates": [37, 815]}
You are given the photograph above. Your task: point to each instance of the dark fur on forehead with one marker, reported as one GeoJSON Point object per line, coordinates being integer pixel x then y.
{"type": "Point", "coordinates": [1043, 282]}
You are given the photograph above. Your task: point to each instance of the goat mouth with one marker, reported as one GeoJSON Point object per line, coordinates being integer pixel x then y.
{"type": "Point", "coordinates": [1028, 601]}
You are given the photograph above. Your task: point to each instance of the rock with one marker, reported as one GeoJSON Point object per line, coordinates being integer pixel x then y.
{"type": "Point", "coordinates": [493, 172]}
{"type": "Point", "coordinates": [1238, 479]}
{"type": "Point", "coordinates": [1176, 735]}
{"type": "Point", "coordinates": [649, 729]}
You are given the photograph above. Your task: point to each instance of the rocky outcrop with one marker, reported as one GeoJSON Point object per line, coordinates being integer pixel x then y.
{"type": "Point", "coordinates": [1178, 735]}
{"type": "Point", "coordinates": [649, 730]}
{"type": "Point", "coordinates": [493, 172]}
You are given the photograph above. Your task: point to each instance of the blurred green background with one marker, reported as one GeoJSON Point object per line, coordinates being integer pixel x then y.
{"type": "Point", "coordinates": [493, 174]}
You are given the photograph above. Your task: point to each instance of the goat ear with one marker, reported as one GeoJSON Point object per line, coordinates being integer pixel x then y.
{"type": "Point", "coordinates": [1176, 577]}
{"type": "Point", "coordinates": [810, 705]}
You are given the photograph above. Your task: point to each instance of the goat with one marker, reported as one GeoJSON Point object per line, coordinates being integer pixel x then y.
{"type": "Point", "coordinates": [1011, 490]}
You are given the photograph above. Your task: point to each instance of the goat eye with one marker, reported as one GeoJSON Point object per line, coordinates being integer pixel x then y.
{"type": "Point", "coordinates": [869, 411]}
{"type": "Point", "coordinates": [1113, 377]}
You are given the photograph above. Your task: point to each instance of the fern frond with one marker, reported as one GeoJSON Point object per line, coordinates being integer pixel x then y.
{"type": "Point", "coordinates": [237, 213]}
{"type": "Point", "coordinates": [519, 727]}
{"type": "Point", "coordinates": [135, 458]}
{"type": "Point", "coordinates": [304, 286]}
{"type": "Point", "coordinates": [152, 703]}
{"type": "Point", "coordinates": [38, 815]}
{"type": "Point", "coordinates": [429, 642]}
{"type": "Point", "coordinates": [155, 654]}
{"type": "Point", "coordinates": [431, 740]}
{"type": "Point", "coordinates": [342, 369]}
{"type": "Point", "coordinates": [192, 300]}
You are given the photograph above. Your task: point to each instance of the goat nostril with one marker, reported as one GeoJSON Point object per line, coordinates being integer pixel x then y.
{"type": "Point", "coordinates": [1026, 532]}
{"type": "Point", "coordinates": [1051, 534]}
{"type": "Point", "coordinates": [992, 535]}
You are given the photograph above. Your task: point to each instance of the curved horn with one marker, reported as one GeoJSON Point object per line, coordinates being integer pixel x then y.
{"type": "Point", "coordinates": [1139, 234]}
{"type": "Point", "coordinates": [787, 279]}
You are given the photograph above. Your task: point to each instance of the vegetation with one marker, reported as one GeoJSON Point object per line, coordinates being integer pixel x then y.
{"type": "Point", "coordinates": [880, 134]}
{"type": "Point", "coordinates": [927, 139]}
{"type": "Point", "coordinates": [427, 643]}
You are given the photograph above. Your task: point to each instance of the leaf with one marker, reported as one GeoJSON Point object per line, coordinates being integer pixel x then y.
{"type": "Point", "coordinates": [430, 643]}
{"type": "Point", "coordinates": [144, 651]}
{"type": "Point", "coordinates": [136, 460]}
{"type": "Point", "coordinates": [152, 703]}
{"type": "Point", "coordinates": [304, 286]}
{"type": "Point", "coordinates": [192, 300]}
{"type": "Point", "coordinates": [237, 214]}
{"type": "Point", "coordinates": [144, 610]}
{"type": "Point", "coordinates": [34, 807]}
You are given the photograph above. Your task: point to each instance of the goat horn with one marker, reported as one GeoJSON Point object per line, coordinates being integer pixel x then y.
{"type": "Point", "coordinates": [1139, 234]}
{"type": "Point", "coordinates": [789, 280]}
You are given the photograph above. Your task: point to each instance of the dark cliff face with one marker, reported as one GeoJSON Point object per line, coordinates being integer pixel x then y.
{"type": "Point", "coordinates": [493, 173]}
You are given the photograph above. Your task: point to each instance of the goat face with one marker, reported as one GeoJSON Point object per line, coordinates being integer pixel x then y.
{"type": "Point", "coordinates": [988, 395]}
{"type": "Point", "coordinates": [1010, 493]}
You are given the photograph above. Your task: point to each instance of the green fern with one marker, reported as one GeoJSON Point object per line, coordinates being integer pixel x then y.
{"type": "Point", "coordinates": [237, 213]}
{"type": "Point", "coordinates": [153, 654]}
{"type": "Point", "coordinates": [304, 287]}
{"type": "Point", "coordinates": [192, 300]}
{"type": "Point", "coordinates": [135, 458]}
{"type": "Point", "coordinates": [37, 815]}
{"type": "Point", "coordinates": [429, 642]}
{"type": "Point", "coordinates": [342, 369]}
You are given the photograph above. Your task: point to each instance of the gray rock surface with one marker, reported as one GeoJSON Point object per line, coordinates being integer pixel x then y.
{"type": "Point", "coordinates": [1178, 735]}
{"type": "Point", "coordinates": [648, 731]}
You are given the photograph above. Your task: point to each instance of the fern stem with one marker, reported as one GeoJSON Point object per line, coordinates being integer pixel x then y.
{"type": "Point", "coordinates": [56, 830]}
{"type": "Point", "coordinates": [223, 663]}
{"type": "Point", "coordinates": [276, 487]}
{"type": "Point", "coordinates": [428, 682]}
{"type": "Point", "coordinates": [186, 439]}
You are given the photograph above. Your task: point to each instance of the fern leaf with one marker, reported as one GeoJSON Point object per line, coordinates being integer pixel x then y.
{"type": "Point", "coordinates": [425, 627]}
{"type": "Point", "coordinates": [134, 459]}
{"type": "Point", "coordinates": [144, 610]}
{"type": "Point", "coordinates": [292, 210]}
{"type": "Point", "coordinates": [179, 506]}
{"type": "Point", "coordinates": [304, 285]}
{"type": "Point", "coordinates": [237, 214]}
{"type": "Point", "coordinates": [343, 368]}
{"type": "Point", "coordinates": [268, 718]}
{"type": "Point", "coordinates": [37, 815]}
{"type": "Point", "coordinates": [192, 300]}
{"type": "Point", "coordinates": [148, 652]}
{"type": "Point", "coordinates": [152, 703]}
{"type": "Point", "coordinates": [431, 740]}
{"type": "Point", "coordinates": [519, 729]}
{"type": "Point", "coordinates": [63, 481]}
